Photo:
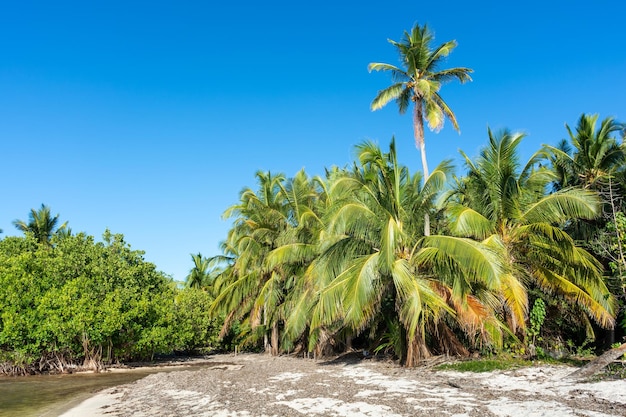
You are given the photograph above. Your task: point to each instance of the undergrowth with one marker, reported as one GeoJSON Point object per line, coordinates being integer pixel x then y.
{"type": "Point", "coordinates": [485, 365]}
{"type": "Point", "coordinates": [503, 363]}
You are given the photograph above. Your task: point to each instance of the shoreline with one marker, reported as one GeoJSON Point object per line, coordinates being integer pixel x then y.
{"type": "Point", "coordinates": [125, 367]}
{"type": "Point", "coordinates": [92, 405]}
{"type": "Point", "coordinates": [51, 394]}
{"type": "Point", "coordinates": [261, 385]}
{"type": "Point", "coordinates": [76, 403]}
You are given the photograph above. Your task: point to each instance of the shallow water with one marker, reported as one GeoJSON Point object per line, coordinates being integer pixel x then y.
{"type": "Point", "coordinates": [50, 395]}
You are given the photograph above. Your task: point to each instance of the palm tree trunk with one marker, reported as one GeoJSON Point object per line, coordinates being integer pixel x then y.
{"type": "Point", "coordinates": [274, 339]}
{"type": "Point", "coordinates": [416, 349]}
{"type": "Point", "coordinates": [266, 343]}
{"type": "Point", "coordinates": [420, 143]}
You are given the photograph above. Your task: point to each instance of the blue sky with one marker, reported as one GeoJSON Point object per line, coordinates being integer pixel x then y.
{"type": "Point", "coordinates": [148, 118]}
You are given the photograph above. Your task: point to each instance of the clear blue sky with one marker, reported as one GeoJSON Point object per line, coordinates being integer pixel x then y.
{"type": "Point", "coordinates": [148, 118]}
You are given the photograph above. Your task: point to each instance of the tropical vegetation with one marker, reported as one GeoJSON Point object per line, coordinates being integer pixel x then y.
{"type": "Point", "coordinates": [326, 264]}
{"type": "Point", "coordinates": [498, 255]}
{"type": "Point", "coordinates": [71, 302]}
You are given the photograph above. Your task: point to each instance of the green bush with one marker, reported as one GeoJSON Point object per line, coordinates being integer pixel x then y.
{"type": "Point", "coordinates": [78, 302]}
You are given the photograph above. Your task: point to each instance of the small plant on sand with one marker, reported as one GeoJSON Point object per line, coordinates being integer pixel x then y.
{"type": "Point", "coordinates": [585, 349]}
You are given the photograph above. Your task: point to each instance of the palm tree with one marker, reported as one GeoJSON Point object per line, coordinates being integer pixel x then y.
{"type": "Point", "coordinates": [375, 268]}
{"type": "Point", "coordinates": [41, 224]}
{"type": "Point", "coordinates": [419, 80]}
{"type": "Point", "coordinates": [306, 201]}
{"type": "Point", "coordinates": [595, 161]}
{"type": "Point", "coordinates": [253, 290]}
{"type": "Point", "coordinates": [315, 261]}
{"type": "Point", "coordinates": [64, 232]}
{"type": "Point", "coordinates": [198, 275]}
{"type": "Point", "coordinates": [504, 205]}
{"type": "Point", "coordinates": [594, 154]}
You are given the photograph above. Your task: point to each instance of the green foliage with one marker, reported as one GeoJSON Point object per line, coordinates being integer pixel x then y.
{"type": "Point", "coordinates": [80, 301]}
{"type": "Point", "coordinates": [195, 329]}
{"type": "Point", "coordinates": [537, 316]}
{"type": "Point", "coordinates": [392, 340]}
{"type": "Point", "coordinates": [198, 275]}
{"type": "Point", "coordinates": [585, 349]}
{"type": "Point", "coordinates": [593, 157]}
{"type": "Point", "coordinates": [273, 239]}
{"type": "Point", "coordinates": [610, 242]}
{"type": "Point", "coordinates": [418, 80]}
{"type": "Point", "coordinates": [503, 202]}
{"type": "Point", "coordinates": [484, 365]}
{"type": "Point", "coordinates": [310, 261]}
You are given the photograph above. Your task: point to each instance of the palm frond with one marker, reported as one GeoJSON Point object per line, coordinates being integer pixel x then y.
{"type": "Point", "coordinates": [300, 315]}
{"type": "Point", "coordinates": [440, 52]}
{"type": "Point", "coordinates": [398, 75]}
{"type": "Point", "coordinates": [515, 297]}
{"type": "Point", "coordinates": [462, 259]}
{"type": "Point", "coordinates": [460, 73]}
{"type": "Point", "coordinates": [445, 110]}
{"type": "Point", "coordinates": [386, 95]}
{"type": "Point", "coordinates": [564, 205]}
{"type": "Point", "coordinates": [392, 237]}
{"type": "Point", "coordinates": [359, 296]}
{"type": "Point", "coordinates": [598, 309]}
{"type": "Point", "coordinates": [466, 222]}
{"type": "Point", "coordinates": [290, 253]}
{"type": "Point", "coordinates": [417, 299]}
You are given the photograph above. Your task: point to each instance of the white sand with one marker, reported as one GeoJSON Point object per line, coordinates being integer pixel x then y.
{"type": "Point", "coordinates": [364, 389]}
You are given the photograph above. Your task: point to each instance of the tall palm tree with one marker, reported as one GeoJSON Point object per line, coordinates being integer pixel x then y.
{"type": "Point", "coordinates": [41, 224]}
{"type": "Point", "coordinates": [419, 80]}
{"type": "Point", "coordinates": [504, 205]}
{"type": "Point", "coordinates": [198, 275]}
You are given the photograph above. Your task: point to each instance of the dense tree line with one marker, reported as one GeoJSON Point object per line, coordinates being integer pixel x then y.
{"type": "Point", "coordinates": [414, 264]}
{"type": "Point", "coordinates": [318, 264]}
{"type": "Point", "coordinates": [68, 302]}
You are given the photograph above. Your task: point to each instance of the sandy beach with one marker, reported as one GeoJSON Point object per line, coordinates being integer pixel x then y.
{"type": "Point", "coordinates": [261, 385]}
